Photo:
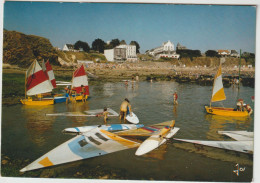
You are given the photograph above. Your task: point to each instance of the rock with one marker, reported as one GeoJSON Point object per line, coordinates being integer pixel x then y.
{"type": "Point", "coordinates": [4, 162]}
{"type": "Point", "coordinates": [104, 177]}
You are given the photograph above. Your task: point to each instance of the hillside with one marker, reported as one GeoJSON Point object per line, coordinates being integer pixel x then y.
{"type": "Point", "coordinates": [70, 58]}
{"type": "Point", "coordinates": [21, 49]}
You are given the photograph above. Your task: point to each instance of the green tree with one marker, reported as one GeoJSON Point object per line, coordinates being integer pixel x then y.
{"type": "Point", "coordinates": [114, 43]}
{"type": "Point", "coordinates": [98, 45]}
{"type": "Point", "coordinates": [122, 42]}
{"type": "Point", "coordinates": [189, 53]}
{"type": "Point", "coordinates": [249, 57]}
{"type": "Point", "coordinates": [83, 45]}
{"type": "Point", "coordinates": [212, 53]}
{"type": "Point", "coordinates": [137, 46]}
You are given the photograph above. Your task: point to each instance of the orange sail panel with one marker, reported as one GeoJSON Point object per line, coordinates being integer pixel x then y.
{"type": "Point", "coordinates": [46, 67]}
{"type": "Point", "coordinates": [218, 93]}
{"type": "Point", "coordinates": [80, 78]}
{"type": "Point", "coordinates": [36, 80]}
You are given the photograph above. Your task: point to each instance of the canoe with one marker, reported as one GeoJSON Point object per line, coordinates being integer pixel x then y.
{"type": "Point", "coordinates": [225, 111]}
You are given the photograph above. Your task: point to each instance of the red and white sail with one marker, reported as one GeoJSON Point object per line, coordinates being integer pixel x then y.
{"type": "Point", "coordinates": [80, 78]}
{"type": "Point", "coordinates": [36, 80]}
{"type": "Point", "coordinates": [46, 67]}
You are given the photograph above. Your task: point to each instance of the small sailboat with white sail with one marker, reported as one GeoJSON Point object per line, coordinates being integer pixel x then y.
{"type": "Point", "coordinates": [47, 68]}
{"type": "Point", "coordinates": [218, 94]}
{"type": "Point", "coordinates": [36, 84]}
{"type": "Point", "coordinates": [80, 83]}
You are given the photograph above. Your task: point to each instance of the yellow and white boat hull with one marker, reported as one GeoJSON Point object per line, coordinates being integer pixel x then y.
{"type": "Point", "coordinates": [78, 98]}
{"type": "Point", "coordinates": [225, 111]}
{"type": "Point", "coordinates": [30, 101]}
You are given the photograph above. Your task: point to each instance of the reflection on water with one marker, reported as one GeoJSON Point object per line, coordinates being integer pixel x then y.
{"type": "Point", "coordinates": [175, 111]}
{"type": "Point", "coordinates": [158, 153]}
{"type": "Point", "coordinates": [222, 123]}
{"type": "Point", "coordinates": [37, 123]}
{"type": "Point", "coordinates": [78, 107]}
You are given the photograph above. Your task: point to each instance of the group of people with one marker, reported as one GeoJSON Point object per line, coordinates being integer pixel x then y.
{"type": "Point", "coordinates": [125, 109]}
{"type": "Point", "coordinates": [242, 107]}
{"type": "Point", "coordinates": [71, 94]}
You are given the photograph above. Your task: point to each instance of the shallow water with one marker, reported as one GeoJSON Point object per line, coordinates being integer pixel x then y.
{"type": "Point", "coordinates": [27, 133]}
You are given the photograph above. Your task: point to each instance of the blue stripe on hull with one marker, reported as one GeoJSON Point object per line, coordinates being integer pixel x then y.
{"type": "Point", "coordinates": [59, 99]}
{"type": "Point", "coordinates": [87, 151]}
{"type": "Point", "coordinates": [115, 127]}
{"type": "Point", "coordinates": [77, 129]}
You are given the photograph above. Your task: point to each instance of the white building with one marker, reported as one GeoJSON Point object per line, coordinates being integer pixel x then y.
{"type": "Point", "coordinates": [130, 52]}
{"type": "Point", "coordinates": [166, 50]}
{"type": "Point", "coordinates": [68, 47]}
{"type": "Point", "coordinates": [233, 53]}
{"type": "Point", "coordinates": [223, 52]}
{"type": "Point", "coordinates": [109, 54]}
{"type": "Point", "coordinates": [121, 52]}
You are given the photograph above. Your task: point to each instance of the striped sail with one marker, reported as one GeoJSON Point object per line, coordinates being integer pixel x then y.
{"type": "Point", "coordinates": [36, 80]}
{"type": "Point", "coordinates": [80, 78]}
{"type": "Point", "coordinates": [218, 93]}
{"type": "Point", "coordinates": [46, 67]}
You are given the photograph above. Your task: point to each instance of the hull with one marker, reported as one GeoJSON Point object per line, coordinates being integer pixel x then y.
{"type": "Point", "coordinates": [78, 97]}
{"type": "Point", "coordinates": [154, 142]}
{"type": "Point", "coordinates": [132, 119]}
{"type": "Point", "coordinates": [59, 99]}
{"type": "Point", "coordinates": [37, 102]}
{"type": "Point", "coordinates": [239, 146]}
{"type": "Point", "coordinates": [225, 111]}
{"type": "Point", "coordinates": [112, 127]}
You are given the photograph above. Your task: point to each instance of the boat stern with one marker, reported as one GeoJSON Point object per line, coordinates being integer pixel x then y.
{"type": "Point", "coordinates": [208, 109]}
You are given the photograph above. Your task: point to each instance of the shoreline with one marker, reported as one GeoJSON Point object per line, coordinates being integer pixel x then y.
{"type": "Point", "coordinates": [201, 76]}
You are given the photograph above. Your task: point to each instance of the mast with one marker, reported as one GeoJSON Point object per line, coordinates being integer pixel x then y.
{"type": "Point", "coordinates": [25, 84]}
{"type": "Point", "coordinates": [239, 68]}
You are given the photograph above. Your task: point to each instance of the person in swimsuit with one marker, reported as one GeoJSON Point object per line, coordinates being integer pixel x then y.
{"type": "Point", "coordinates": [249, 109]}
{"type": "Point", "coordinates": [68, 93]}
{"type": "Point", "coordinates": [175, 97]}
{"type": "Point", "coordinates": [124, 108]}
{"type": "Point", "coordinates": [105, 114]}
{"type": "Point", "coordinates": [83, 93]}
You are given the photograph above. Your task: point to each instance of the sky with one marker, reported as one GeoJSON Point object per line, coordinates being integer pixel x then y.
{"type": "Point", "coordinates": [202, 27]}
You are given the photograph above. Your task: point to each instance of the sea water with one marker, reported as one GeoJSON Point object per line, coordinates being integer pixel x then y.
{"type": "Point", "coordinates": [27, 134]}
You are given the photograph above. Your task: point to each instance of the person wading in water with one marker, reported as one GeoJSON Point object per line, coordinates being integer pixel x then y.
{"type": "Point", "coordinates": [175, 97]}
{"type": "Point", "coordinates": [124, 109]}
{"type": "Point", "coordinates": [83, 93]}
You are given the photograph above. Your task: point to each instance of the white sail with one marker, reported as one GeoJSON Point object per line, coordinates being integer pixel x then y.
{"type": "Point", "coordinates": [36, 80]}
{"type": "Point", "coordinates": [218, 93]}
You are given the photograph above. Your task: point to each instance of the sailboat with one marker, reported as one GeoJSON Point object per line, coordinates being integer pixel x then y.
{"type": "Point", "coordinates": [36, 83]}
{"type": "Point", "coordinates": [46, 67]}
{"type": "Point", "coordinates": [80, 79]}
{"type": "Point", "coordinates": [218, 94]}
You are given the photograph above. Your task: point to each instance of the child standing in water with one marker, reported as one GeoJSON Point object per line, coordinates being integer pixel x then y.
{"type": "Point", "coordinates": [105, 114]}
